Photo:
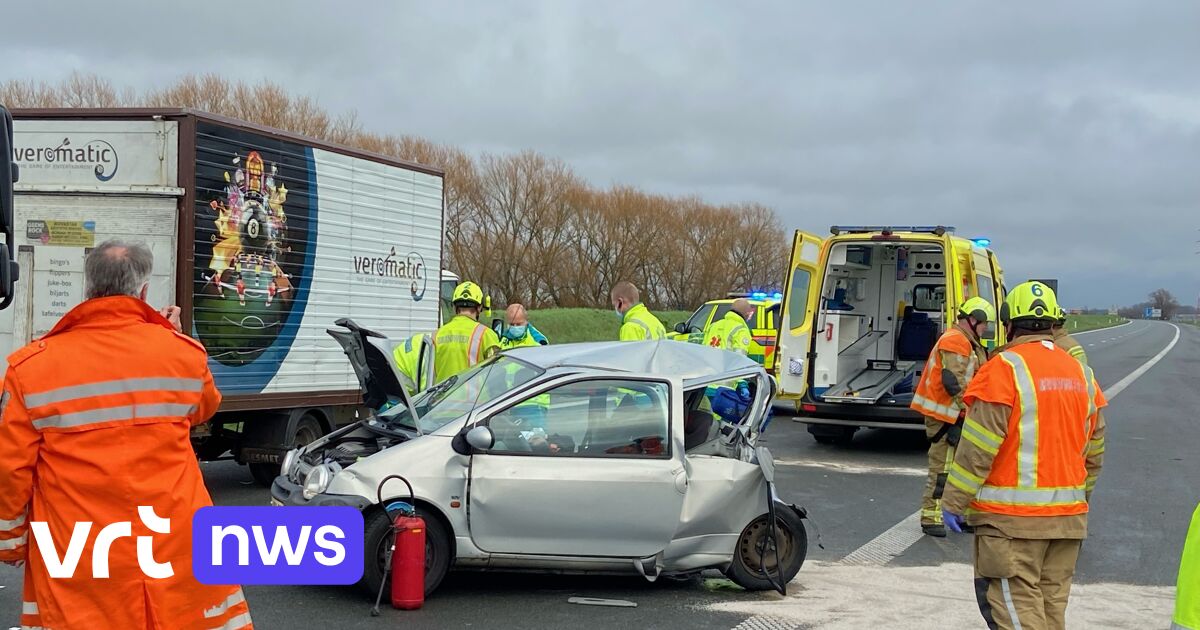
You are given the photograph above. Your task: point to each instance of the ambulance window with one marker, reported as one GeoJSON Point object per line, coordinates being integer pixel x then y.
{"type": "Point", "coordinates": [798, 298]}
{"type": "Point", "coordinates": [987, 290]}
{"type": "Point", "coordinates": [721, 310]}
{"type": "Point", "coordinates": [929, 297]}
{"type": "Point", "coordinates": [699, 318]}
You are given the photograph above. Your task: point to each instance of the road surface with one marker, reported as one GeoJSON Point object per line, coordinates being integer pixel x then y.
{"type": "Point", "coordinates": [874, 568]}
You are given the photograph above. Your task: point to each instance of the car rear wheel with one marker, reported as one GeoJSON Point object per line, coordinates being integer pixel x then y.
{"type": "Point", "coordinates": [379, 540]}
{"type": "Point", "coordinates": [753, 550]}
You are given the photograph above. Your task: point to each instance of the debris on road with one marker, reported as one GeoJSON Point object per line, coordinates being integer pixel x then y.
{"type": "Point", "coordinates": [721, 584]}
{"type": "Point", "coordinates": [596, 601]}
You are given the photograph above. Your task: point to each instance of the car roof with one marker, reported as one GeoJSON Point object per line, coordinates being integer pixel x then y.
{"type": "Point", "coordinates": [691, 362]}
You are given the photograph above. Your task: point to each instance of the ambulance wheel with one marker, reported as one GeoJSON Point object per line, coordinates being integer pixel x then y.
{"type": "Point", "coordinates": [834, 436]}
{"type": "Point", "coordinates": [753, 551]}
{"type": "Point", "coordinates": [379, 538]}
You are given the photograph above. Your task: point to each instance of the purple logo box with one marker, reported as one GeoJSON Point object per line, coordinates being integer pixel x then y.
{"type": "Point", "coordinates": [277, 545]}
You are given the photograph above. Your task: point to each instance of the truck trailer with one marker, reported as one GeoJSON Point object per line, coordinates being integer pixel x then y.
{"type": "Point", "coordinates": [263, 238]}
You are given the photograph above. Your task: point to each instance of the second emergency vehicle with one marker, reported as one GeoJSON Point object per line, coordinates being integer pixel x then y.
{"type": "Point", "coordinates": [861, 312]}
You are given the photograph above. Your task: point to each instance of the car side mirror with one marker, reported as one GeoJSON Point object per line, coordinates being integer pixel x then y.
{"type": "Point", "coordinates": [481, 438]}
{"type": "Point", "coordinates": [681, 328]}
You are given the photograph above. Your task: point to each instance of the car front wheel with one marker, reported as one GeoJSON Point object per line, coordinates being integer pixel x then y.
{"type": "Point", "coordinates": [754, 551]}
{"type": "Point", "coordinates": [379, 540]}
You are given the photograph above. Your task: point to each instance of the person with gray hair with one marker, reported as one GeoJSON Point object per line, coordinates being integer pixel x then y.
{"type": "Point", "coordinates": [116, 267]}
{"type": "Point", "coordinates": [95, 424]}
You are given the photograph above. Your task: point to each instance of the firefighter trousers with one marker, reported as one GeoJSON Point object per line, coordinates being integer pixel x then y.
{"type": "Point", "coordinates": [941, 455]}
{"type": "Point", "coordinates": [1023, 583]}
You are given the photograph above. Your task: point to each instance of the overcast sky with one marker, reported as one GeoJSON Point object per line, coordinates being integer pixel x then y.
{"type": "Point", "coordinates": [1069, 133]}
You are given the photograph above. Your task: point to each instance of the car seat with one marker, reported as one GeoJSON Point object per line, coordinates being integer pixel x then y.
{"type": "Point", "coordinates": [918, 335]}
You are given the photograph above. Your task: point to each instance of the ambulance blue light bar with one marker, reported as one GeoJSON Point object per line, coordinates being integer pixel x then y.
{"type": "Point", "coordinates": [982, 242]}
{"type": "Point", "coordinates": [921, 229]}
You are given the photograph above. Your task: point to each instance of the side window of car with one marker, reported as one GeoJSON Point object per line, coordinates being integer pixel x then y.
{"type": "Point", "coordinates": [600, 418]}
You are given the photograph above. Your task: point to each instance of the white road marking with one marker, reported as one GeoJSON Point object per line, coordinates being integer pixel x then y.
{"type": "Point", "coordinates": [896, 540]}
{"type": "Point", "coordinates": [1096, 330]}
{"type": "Point", "coordinates": [856, 469]}
{"type": "Point", "coordinates": [1120, 385]}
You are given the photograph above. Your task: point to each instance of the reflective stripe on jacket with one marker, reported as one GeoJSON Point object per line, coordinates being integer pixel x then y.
{"type": "Point", "coordinates": [931, 398]}
{"type": "Point", "coordinates": [460, 345]}
{"type": "Point", "coordinates": [95, 424]}
{"type": "Point", "coordinates": [1068, 343]}
{"type": "Point", "coordinates": [639, 325]}
{"type": "Point", "coordinates": [1039, 463]}
{"type": "Point", "coordinates": [729, 333]}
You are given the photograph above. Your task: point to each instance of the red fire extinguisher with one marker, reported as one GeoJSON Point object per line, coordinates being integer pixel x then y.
{"type": "Point", "coordinates": [408, 558]}
{"type": "Point", "coordinates": [405, 559]}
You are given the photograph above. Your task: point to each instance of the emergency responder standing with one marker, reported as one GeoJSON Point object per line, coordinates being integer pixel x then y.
{"type": "Point", "coordinates": [1033, 440]}
{"type": "Point", "coordinates": [1187, 590]}
{"type": "Point", "coordinates": [732, 332]}
{"type": "Point", "coordinates": [518, 333]}
{"type": "Point", "coordinates": [414, 360]}
{"type": "Point", "coordinates": [463, 342]}
{"type": "Point", "coordinates": [951, 365]}
{"type": "Point", "coordinates": [95, 420]}
{"type": "Point", "coordinates": [637, 324]}
{"type": "Point", "coordinates": [1065, 341]}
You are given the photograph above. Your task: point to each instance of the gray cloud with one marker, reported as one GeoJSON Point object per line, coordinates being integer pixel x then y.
{"type": "Point", "coordinates": [1067, 132]}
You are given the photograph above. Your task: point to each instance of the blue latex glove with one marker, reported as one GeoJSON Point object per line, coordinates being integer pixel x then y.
{"type": "Point", "coordinates": [954, 522]}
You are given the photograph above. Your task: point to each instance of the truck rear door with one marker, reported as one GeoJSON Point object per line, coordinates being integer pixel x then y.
{"type": "Point", "coordinates": [800, 295]}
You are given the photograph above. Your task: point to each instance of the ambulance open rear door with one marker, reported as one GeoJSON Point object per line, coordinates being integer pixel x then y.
{"type": "Point", "coordinates": [800, 297]}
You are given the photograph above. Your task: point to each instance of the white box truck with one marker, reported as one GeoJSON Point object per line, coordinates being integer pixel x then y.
{"type": "Point", "coordinates": [264, 239]}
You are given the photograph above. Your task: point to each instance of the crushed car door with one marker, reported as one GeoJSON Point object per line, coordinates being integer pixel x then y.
{"type": "Point", "coordinates": [799, 306]}
{"type": "Point", "coordinates": [584, 469]}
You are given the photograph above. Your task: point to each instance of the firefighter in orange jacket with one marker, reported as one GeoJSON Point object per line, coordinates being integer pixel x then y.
{"type": "Point", "coordinates": [939, 398]}
{"type": "Point", "coordinates": [1031, 450]}
{"type": "Point", "coordinates": [94, 427]}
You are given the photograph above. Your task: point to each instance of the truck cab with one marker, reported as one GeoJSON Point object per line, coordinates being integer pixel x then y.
{"type": "Point", "coordinates": [862, 310]}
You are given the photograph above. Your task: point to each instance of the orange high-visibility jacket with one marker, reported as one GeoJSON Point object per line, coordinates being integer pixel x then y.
{"type": "Point", "coordinates": [1040, 464]}
{"type": "Point", "coordinates": [931, 398]}
{"type": "Point", "coordinates": [94, 422]}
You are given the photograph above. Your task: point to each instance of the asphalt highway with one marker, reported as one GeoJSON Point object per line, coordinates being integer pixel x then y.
{"type": "Point", "coordinates": [871, 567]}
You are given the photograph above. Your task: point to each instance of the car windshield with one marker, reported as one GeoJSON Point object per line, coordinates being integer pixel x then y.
{"type": "Point", "coordinates": [459, 394]}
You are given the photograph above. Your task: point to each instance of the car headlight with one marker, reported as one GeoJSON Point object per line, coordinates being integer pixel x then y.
{"type": "Point", "coordinates": [317, 481]}
{"type": "Point", "coordinates": [289, 459]}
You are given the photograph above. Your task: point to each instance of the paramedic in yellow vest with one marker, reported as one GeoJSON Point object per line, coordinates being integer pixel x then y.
{"type": "Point", "coordinates": [939, 398]}
{"type": "Point", "coordinates": [463, 342]}
{"type": "Point", "coordinates": [1187, 591]}
{"type": "Point", "coordinates": [1022, 477]}
{"type": "Point", "coordinates": [732, 331]}
{"type": "Point", "coordinates": [637, 324]}
{"type": "Point", "coordinates": [1065, 341]}
{"type": "Point", "coordinates": [414, 360]}
{"type": "Point", "coordinates": [517, 334]}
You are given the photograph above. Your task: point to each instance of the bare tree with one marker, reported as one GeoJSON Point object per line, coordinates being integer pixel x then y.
{"type": "Point", "coordinates": [1162, 299]}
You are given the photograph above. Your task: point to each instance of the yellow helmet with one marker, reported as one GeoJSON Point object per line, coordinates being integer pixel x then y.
{"type": "Point", "coordinates": [467, 294]}
{"type": "Point", "coordinates": [1030, 301]}
{"type": "Point", "coordinates": [979, 308]}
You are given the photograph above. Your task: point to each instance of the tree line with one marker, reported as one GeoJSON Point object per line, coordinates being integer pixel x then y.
{"type": "Point", "coordinates": [523, 225]}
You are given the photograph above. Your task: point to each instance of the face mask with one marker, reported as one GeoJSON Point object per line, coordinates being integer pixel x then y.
{"type": "Point", "coordinates": [617, 310]}
{"type": "Point", "coordinates": [515, 332]}
{"type": "Point", "coordinates": [988, 331]}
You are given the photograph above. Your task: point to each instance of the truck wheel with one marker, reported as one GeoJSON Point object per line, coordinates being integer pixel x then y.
{"type": "Point", "coordinates": [752, 551]}
{"type": "Point", "coordinates": [308, 429]}
{"type": "Point", "coordinates": [379, 538]}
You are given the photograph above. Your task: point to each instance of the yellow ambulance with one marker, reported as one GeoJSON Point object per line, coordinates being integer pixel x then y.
{"type": "Point", "coordinates": [862, 309]}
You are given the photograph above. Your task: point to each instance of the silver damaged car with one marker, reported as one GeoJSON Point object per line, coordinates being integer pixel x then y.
{"type": "Point", "coordinates": [624, 457]}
